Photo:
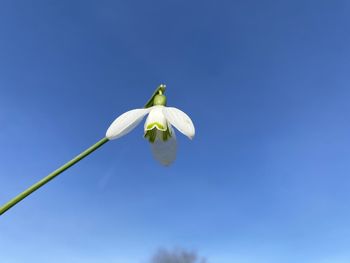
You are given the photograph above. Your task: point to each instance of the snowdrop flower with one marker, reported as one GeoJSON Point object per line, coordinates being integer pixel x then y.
{"type": "Point", "coordinates": [157, 129]}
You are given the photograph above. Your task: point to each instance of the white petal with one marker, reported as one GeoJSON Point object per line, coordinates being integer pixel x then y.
{"type": "Point", "coordinates": [180, 121]}
{"type": "Point", "coordinates": [125, 123]}
{"type": "Point", "coordinates": [165, 151]}
{"type": "Point", "coordinates": [156, 119]}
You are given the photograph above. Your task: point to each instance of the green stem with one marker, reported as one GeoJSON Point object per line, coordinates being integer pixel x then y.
{"type": "Point", "coordinates": [51, 176]}
{"type": "Point", "coordinates": [34, 187]}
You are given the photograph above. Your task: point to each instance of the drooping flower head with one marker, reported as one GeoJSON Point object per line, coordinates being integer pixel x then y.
{"type": "Point", "coordinates": [158, 126]}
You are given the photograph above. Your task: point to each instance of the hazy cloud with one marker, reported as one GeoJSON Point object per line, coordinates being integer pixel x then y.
{"type": "Point", "coordinates": [176, 256]}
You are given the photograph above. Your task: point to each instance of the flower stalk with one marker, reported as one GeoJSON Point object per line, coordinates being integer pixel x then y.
{"type": "Point", "coordinates": [51, 176]}
{"type": "Point", "coordinates": [48, 178]}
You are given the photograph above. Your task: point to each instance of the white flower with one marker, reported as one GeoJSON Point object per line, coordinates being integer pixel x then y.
{"type": "Point", "coordinates": [158, 129]}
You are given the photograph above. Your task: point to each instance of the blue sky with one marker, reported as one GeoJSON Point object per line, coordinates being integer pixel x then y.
{"type": "Point", "coordinates": [266, 179]}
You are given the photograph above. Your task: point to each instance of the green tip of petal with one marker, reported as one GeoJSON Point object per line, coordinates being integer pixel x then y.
{"type": "Point", "coordinates": [157, 125]}
{"type": "Point", "coordinates": [155, 133]}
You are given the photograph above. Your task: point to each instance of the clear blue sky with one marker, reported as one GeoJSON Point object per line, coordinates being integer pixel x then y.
{"type": "Point", "coordinates": [267, 84]}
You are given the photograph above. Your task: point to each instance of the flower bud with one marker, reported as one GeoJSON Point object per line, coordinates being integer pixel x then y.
{"type": "Point", "coordinates": [159, 100]}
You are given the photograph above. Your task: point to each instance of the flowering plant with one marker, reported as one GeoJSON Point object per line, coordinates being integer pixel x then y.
{"type": "Point", "coordinates": [158, 130]}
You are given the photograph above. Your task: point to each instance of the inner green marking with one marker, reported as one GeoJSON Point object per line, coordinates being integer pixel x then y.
{"type": "Point", "coordinates": [151, 135]}
{"type": "Point", "coordinates": [153, 124]}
